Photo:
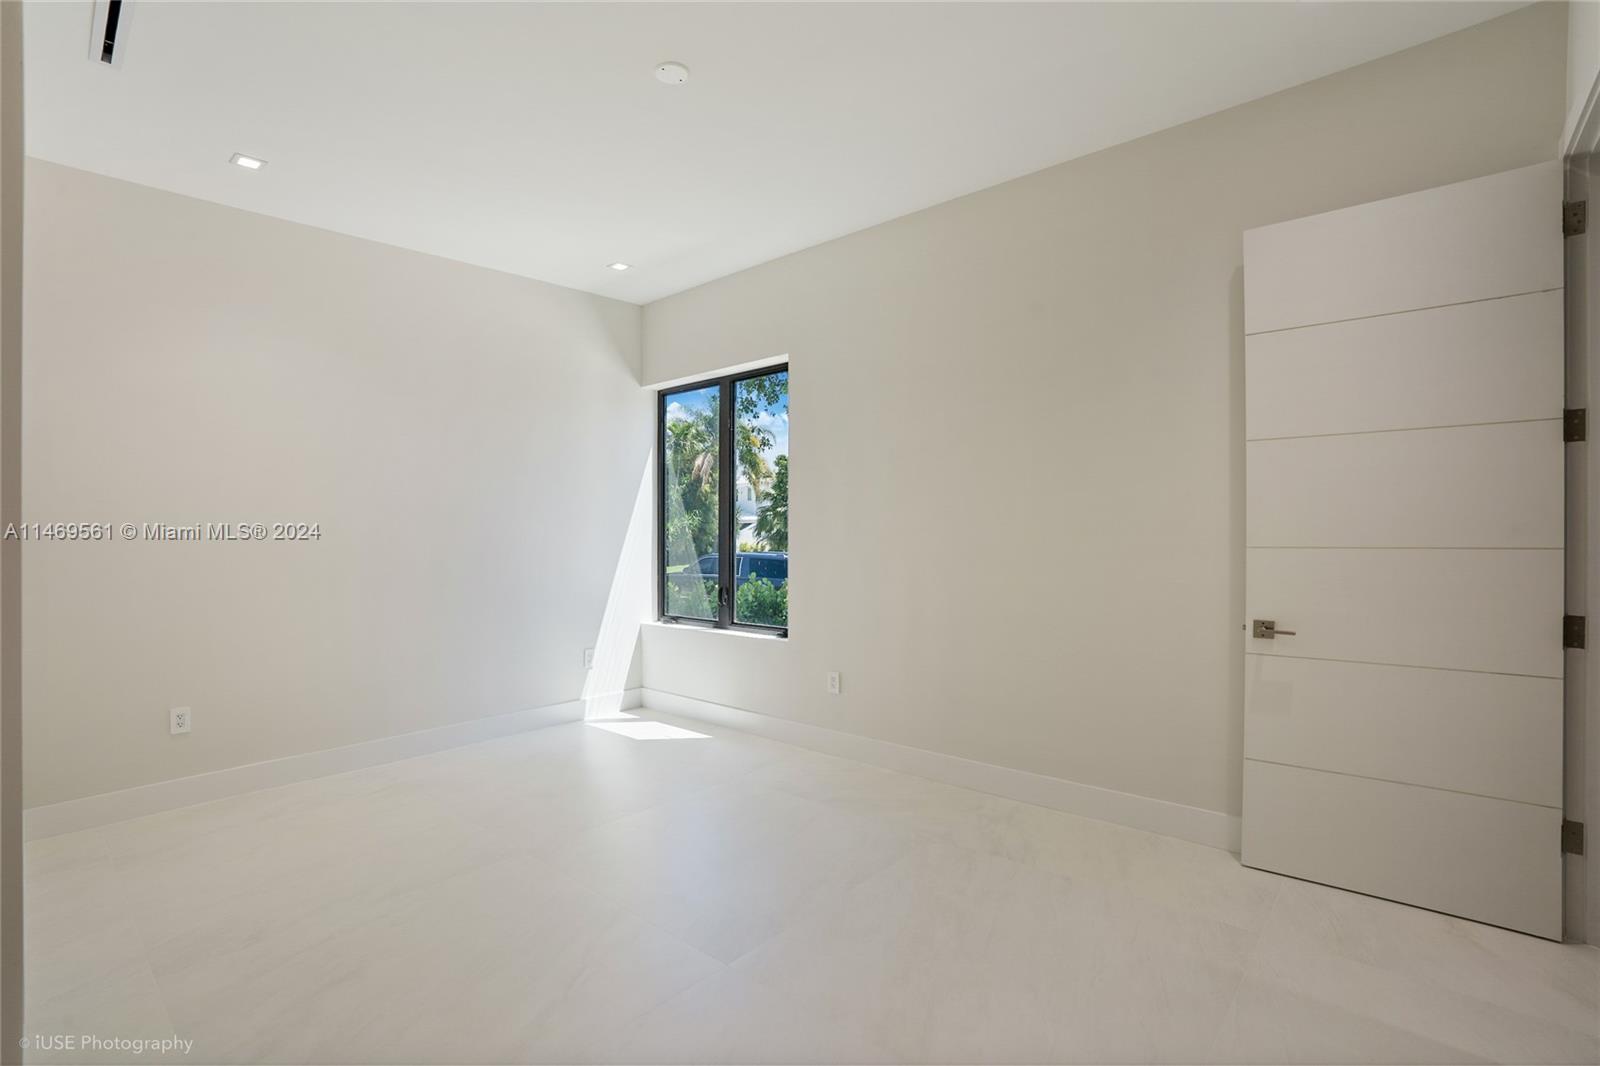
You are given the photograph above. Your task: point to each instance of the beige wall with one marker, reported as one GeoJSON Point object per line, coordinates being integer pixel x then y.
{"type": "Point", "coordinates": [11, 146]}
{"type": "Point", "coordinates": [473, 445]}
{"type": "Point", "coordinates": [1583, 70]}
{"type": "Point", "coordinates": [1017, 459]}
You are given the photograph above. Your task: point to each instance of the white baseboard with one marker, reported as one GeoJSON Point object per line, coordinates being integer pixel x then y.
{"type": "Point", "coordinates": [107, 807]}
{"type": "Point", "coordinates": [1212, 828]}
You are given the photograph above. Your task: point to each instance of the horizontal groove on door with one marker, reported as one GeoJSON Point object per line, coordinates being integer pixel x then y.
{"type": "Point", "coordinates": [1401, 311]}
{"type": "Point", "coordinates": [1483, 734]}
{"type": "Point", "coordinates": [1467, 364]}
{"type": "Point", "coordinates": [1490, 610]}
{"type": "Point", "coordinates": [1402, 429]}
{"type": "Point", "coordinates": [1399, 781]}
{"type": "Point", "coordinates": [1403, 666]}
{"type": "Point", "coordinates": [1485, 859]}
{"type": "Point", "coordinates": [1488, 486]}
{"type": "Point", "coordinates": [1469, 242]}
{"type": "Point", "coordinates": [1406, 547]}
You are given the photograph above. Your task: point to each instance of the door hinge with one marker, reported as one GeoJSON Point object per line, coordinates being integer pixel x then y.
{"type": "Point", "coordinates": [1571, 837]}
{"type": "Point", "coordinates": [1575, 425]}
{"type": "Point", "coordinates": [1574, 630]}
{"type": "Point", "coordinates": [1574, 218]}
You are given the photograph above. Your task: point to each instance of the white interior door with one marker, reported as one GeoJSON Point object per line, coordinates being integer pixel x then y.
{"type": "Point", "coordinates": [1404, 470]}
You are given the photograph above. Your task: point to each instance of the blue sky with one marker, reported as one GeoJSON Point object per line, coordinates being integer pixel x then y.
{"type": "Point", "coordinates": [683, 405]}
{"type": "Point", "coordinates": [774, 417]}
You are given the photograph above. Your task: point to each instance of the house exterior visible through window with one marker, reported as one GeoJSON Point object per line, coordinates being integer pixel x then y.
{"type": "Point", "coordinates": [724, 501]}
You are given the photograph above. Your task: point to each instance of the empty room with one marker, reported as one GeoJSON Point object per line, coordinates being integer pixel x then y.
{"type": "Point", "coordinates": [798, 533]}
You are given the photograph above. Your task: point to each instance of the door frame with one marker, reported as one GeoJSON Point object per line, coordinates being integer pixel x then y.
{"type": "Point", "coordinates": [1581, 880]}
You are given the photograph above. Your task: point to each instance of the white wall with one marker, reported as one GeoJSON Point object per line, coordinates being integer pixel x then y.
{"type": "Point", "coordinates": [473, 445]}
{"type": "Point", "coordinates": [1017, 450]}
{"type": "Point", "coordinates": [1583, 68]}
{"type": "Point", "coordinates": [11, 218]}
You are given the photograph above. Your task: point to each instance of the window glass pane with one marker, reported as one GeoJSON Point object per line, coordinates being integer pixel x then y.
{"type": "Point", "coordinates": [761, 499]}
{"type": "Point", "coordinates": [690, 448]}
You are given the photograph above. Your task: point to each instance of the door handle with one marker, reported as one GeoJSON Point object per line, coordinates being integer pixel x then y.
{"type": "Point", "coordinates": [1267, 629]}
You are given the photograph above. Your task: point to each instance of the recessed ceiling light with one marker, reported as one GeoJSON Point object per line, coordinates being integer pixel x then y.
{"type": "Point", "coordinates": [618, 266]}
{"type": "Point", "coordinates": [672, 73]}
{"type": "Point", "coordinates": [249, 162]}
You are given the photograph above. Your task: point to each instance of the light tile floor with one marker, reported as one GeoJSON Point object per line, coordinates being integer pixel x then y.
{"type": "Point", "coordinates": [577, 894]}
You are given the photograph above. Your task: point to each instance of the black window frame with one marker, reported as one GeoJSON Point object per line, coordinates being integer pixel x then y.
{"type": "Point", "coordinates": [727, 478]}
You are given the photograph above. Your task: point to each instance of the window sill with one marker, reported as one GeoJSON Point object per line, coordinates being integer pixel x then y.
{"type": "Point", "coordinates": [689, 627]}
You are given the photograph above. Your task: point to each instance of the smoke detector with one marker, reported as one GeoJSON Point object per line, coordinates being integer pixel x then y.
{"type": "Point", "coordinates": [672, 73]}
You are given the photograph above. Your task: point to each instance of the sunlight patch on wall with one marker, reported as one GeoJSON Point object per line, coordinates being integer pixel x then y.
{"type": "Point", "coordinates": [627, 606]}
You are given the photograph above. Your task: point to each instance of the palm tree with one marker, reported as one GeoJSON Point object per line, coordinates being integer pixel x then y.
{"type": "Point", "coordinates": [772, 524]}
{"type": "Point", "coordinates": [752, 443]}
{"type": "Point", "coordinates": [692, 484]}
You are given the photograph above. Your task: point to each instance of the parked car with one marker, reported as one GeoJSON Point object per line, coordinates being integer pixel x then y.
{"type": "Point", "coordinates": [770, 566]}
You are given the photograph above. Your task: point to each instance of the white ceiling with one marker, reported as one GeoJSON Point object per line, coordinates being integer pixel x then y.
{"type": "Point", "coordinates": [535, 138]}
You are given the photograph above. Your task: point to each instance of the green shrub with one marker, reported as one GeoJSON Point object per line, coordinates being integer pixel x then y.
{"type": "Point", "coordinates": [762, 603]}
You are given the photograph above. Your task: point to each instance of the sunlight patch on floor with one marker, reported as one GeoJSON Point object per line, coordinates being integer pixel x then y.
{"type": "Point", "coordinates": [642, 730]}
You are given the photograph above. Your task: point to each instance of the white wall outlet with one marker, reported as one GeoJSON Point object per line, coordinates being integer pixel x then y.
{"type": "Point", "coordinates": [181, 720]}
{"type": "Point", "coordinates": [588, 658]}
{"type": "Point", "coordinates": [833, 684]}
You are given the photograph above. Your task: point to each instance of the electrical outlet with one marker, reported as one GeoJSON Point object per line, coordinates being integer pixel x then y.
{"type": "Point", "coordinates": [588, 658]}
{"type": "Point", "coordinates": [180, 720]}
{"type": "Point", "coordinates": [833, 684]}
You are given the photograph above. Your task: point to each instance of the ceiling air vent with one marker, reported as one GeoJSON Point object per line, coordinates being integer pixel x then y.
{"type": "Point", "coordinates": [109, 31]}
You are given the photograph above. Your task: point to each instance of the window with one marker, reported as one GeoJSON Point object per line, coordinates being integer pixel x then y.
{"type": "Point", "coordinates": [724, 492]}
